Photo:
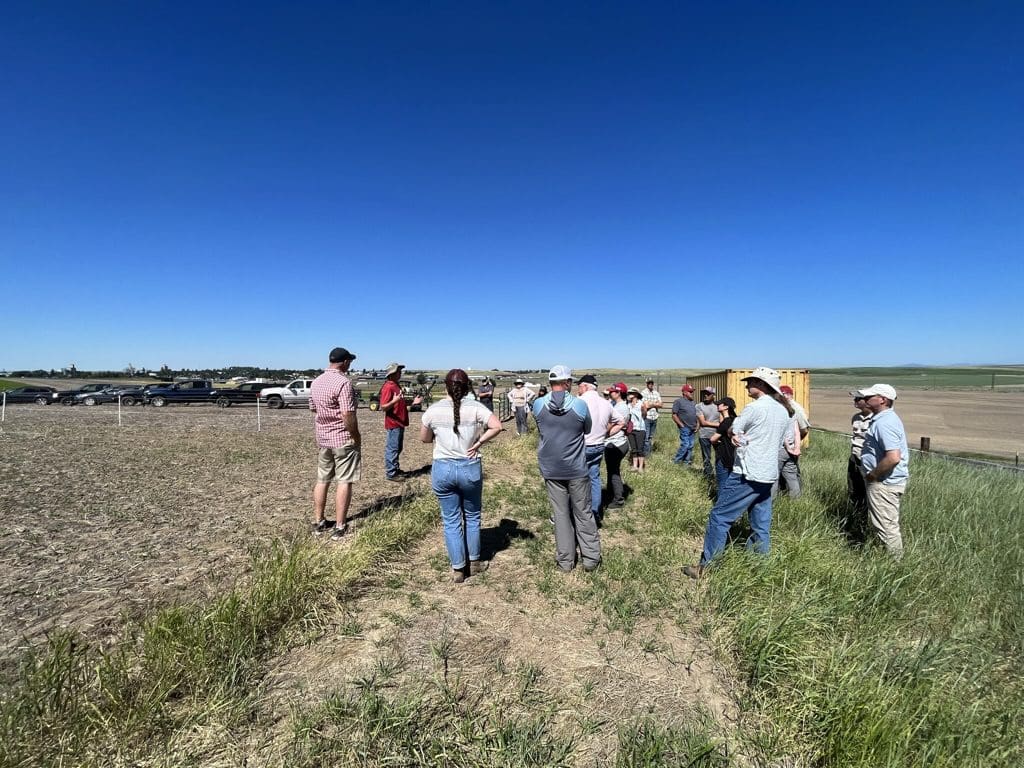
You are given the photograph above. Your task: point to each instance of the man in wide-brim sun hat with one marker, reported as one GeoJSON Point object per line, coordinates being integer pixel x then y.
{"type": "Point", "coordinates": [757, 434]}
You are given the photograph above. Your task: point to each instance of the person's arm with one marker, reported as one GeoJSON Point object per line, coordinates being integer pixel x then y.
{"type": "Point", "coordinates": [884, 466]}
{"type": "Point", "coordinates": [426, 433]}
{"type": "Point", "coordinates": [352, 426]}
{"type": "Point", "coordinates": [615, 424]}
{"type": "Point", "coordinates": [715, 437]}
{"type": "Point", "coordinates": [701, 421]}
{"type": "Point", "coordinates": [387, 405]}
{"type": "Point", "coordinates": [493, 428]}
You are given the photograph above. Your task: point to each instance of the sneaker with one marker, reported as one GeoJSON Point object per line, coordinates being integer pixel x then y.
{"type": "Point", "coordinates": [339, 533]}
{"type": "Point", "coordinates": [477, 566]}
{"type": "Point", "coordinates": [321, 527]}
{"type": "Point", "coordinates": [693, 571]}
{"type": "Point", "coordinates": [396, 478]}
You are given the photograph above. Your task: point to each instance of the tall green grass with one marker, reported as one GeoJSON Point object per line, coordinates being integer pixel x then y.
{"type": "Point", "coordinates": [854, 659]}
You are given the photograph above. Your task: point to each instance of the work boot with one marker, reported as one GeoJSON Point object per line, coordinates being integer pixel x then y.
{"type": "Point", "coordinates": [694, 571]}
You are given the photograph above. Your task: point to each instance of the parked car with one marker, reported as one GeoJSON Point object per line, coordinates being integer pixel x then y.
{"type": "Point", "coordinates": [129, 395]}
{"type": "Point", "coordinates": [294, 393]}
{"type": "Point", "coordinates": [37, 395]}
{"type": "Point", "coordinates": [248, 392]}
{"type": "Point", "coordinates": [67, 397]}
{"type": "Point", "coordinates": [182, 392]}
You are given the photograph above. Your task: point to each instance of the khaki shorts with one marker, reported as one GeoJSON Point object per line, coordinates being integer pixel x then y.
{"type": "Point", "coordinates": [341, 464]}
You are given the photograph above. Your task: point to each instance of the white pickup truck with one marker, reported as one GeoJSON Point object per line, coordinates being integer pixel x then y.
{"type": "Point", "coordinates": [293, 393]}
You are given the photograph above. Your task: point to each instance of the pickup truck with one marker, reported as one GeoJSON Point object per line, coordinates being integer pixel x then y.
{"type": "Point", "coordinates": [294, 393]}
{"type": "Point", "coordinates": [184, 392]}
{"type": "Point", "coordinates": [248, 392]}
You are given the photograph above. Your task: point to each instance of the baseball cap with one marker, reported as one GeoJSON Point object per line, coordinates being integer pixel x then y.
{"type": "Point", "coordinates": [340, 355]}
{"type": "Point", "coordinates": [518, 381]}
{"type": "Point", "coordinates": [394, 368]}
{"type": "Point", "coordinates": [650, 380]}
{"type": "Point", "coordinates": [786, 389]}
{"type": "Point", "coordinates": [856, 394]}
{"type": "Point", "coordinates": [768, 375]}
{"type": "Point", "coordinates": [620, 387]}
{"type": "Point", "coordinates": [883, 390]}
{"type": "Point", "coordinates": [687, 388]}
{"type": "Point", "coordinates": [709, 390]}
{"type": "Point", "coordinates": [588, 378]}
{"type": "Point", "coordinates": [727, 401]}
{"type": "Point", "coordinates": [560, 373]}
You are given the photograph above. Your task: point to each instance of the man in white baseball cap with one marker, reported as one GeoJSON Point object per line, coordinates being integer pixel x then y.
{"type": "Point", "coordinates": [885, 464]}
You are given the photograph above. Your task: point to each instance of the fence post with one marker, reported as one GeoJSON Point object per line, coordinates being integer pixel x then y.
{"type": "Point", "coordinates": [119, 410]}
{"type": "Point", "coordinates": [3, 411]}
{"type": "Point", "coordinates": [926, 444]}
{"type": "Point", "coordinates": [258, 422]}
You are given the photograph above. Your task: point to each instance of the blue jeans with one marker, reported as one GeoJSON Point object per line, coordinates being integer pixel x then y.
{"type": "Point", "coordinates": [522, 422]}
{"type": "Point", "coordinates": [706, 454]}
{"type": "Point", "coordinates": [392, 449]}
{"type": "Point", "coordinates": [649, 440]}
{"type": "Point", "coordinates": [721, 473]}
{"type": "Point", "coordinates": [458, 485]}
{"type": "Point", "coordinates": [735, 496]}
{"type": "Point", "coordinates": [594, 455]}
{"type": "Point", "coordinates": [685, 452]}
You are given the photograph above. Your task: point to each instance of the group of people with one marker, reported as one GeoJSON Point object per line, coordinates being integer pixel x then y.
{"type": "Point", "coordinates": [579, 431]}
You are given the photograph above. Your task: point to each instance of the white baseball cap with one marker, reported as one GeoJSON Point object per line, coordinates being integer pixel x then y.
{"type": "Point", "coordinates": [560, 373]}
{"type": "Point", "coordinates": [882, 390]}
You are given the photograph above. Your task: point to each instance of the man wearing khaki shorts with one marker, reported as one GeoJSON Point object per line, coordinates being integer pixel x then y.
{"type": "Point", "coordinates": [332, 400]}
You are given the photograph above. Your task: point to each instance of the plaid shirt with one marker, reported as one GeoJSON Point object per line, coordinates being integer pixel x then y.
{"type": "Point", "coordinates": [330, 397]}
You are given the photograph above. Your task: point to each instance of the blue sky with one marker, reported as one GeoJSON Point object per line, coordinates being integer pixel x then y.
{"type": "Point", "coordinates": [484, 185]}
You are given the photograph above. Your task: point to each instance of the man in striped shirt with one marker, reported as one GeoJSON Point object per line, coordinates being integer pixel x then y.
{"type": "Point", "coordinates": [332, 400]}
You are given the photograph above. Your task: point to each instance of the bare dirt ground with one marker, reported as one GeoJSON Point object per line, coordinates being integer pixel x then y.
{"type": "Point", "coordinates": [100, 521]}
{"type": "Point", "coordinates": [974, 422]}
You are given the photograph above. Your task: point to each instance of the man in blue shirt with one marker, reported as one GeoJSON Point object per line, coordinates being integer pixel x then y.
{"type": "Point", "coordinates": [885, 464]}
{"type": "Point", "coordinates": [563, 422]}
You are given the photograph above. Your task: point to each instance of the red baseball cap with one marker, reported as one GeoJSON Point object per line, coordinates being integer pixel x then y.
{"type": "Point", "coordinates": [786, 389]}
{"type": "Point", "coordinates": [619, 387]}
{"type": "Point", "coordinates": [687, 388]}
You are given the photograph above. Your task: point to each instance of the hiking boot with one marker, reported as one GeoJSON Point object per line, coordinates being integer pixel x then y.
{"type": "Point", "coordinates": [477, 566]}
{"type": "Point", "coordinates": [592, 567]}
{"type": "Point", "coordinates": [396, 478]}
{"type": "Point", "coordinates": [616, 504]}
{"type": "Point", "coordinates": [321, 527]}
{"type": "Point", "coordinates": [458, 576]}
{"type": "Point", "coordinates": [693, 571]}
{"type": "Point", "coordinates": [339, 533]}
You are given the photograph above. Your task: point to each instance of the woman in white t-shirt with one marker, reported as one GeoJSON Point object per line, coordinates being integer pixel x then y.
{"type": "Point", "coordinates": [455, 477]}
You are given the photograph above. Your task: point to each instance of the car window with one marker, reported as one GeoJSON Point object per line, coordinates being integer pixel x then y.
{"type": "Point", "coordinates": [295, 385]}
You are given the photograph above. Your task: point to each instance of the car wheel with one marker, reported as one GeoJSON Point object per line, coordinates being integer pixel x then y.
{"type": "Point", "coordinates": [223, 402]}
{"type": "Point", "coordinates": [374, 405]}
{"type": "Point", "coordinates": [275, 402]}
{"type": "Point", "coordinates": [42, 401]}
{"type": "Point", "coordinates": [159, 402]}
{"type": "Point", "coordinates": [129, 400]}
{"type": "Point", "coordinates": [90, 401]}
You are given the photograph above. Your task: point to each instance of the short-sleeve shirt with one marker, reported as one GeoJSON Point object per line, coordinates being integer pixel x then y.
{"type": "Point", "coordinates": [601, 412]}
{"type": "Point", "coordinates": [764, 423]}
{"type": "Point", "coordinates": [859, 424]}
{"type": "Point", "coordinates": [686, 411]}
{"type": "Point", "coordinates": [651, 396]}
{"type": "Point", "coordinates": [619, 439]}
{"type": "Point", "coordinates": [710, 413]}
{"type": "Point", "coordinates": [520, 397]}
{"type": "Point", "coordinates": [886, 433]}
{"type": "Point", "coordinates": [398, 416]}
{"type": "Point", "coordinates": [330, 397]}
{"type": "Point", "coordinates": [725, 451]}
{"type": "Point", "coordinates": [440, 418]}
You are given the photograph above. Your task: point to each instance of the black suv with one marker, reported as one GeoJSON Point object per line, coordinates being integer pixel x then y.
{"type": "Point", "coordinates": [37, 395]}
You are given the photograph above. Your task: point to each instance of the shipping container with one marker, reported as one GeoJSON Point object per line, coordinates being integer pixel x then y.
{"type": "Point", "coordinates": [727, 383]}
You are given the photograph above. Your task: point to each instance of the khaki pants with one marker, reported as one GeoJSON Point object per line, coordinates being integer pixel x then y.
{"type": "Point", "coordinates": [884, 514]}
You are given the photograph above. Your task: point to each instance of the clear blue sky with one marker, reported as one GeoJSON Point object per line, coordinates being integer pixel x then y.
{"type": "Point", "coordinates": [639, 185]}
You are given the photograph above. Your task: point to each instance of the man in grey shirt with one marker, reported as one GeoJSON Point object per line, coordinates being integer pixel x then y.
{"type": "Point", "coordinates": [684, 414]}
{"type": "Point", "coordinates": [708, 418]}
{"type": "Point", "coordinates": [563, 422]}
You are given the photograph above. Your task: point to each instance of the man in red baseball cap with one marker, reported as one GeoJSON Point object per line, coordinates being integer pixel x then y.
{"type": "Point", "coordinates": [684, 414]}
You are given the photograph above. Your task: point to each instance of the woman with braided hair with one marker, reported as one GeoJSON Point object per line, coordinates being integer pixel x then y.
{"type": "Point", "coordinates": [458, 426]}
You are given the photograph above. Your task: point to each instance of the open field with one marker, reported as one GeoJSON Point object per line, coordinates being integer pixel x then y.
{"type": "Point", "coordinates": [976, 422]}
{"type": "Point", "coordinates": [995, 378]}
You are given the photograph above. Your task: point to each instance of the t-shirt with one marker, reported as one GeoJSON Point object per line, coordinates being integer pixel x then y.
{"type": "Point", "coordinates": [601, 413]}
{"type": "Point", "coordinates": [486, 392]}
{"type": "Point", "coordinates": [651, 396]}
{"type": "Point", "coordinates": [562, 421]}
{"type": "Point", "coordinates": [398, 416]}
{"type": "Point", "coordinates": [886, 433]}
{"type": "Point", "coordinates": [763, 423]}
{"type": "Point", "coordinates": [520, 397]}
{"type": "Point", "coordinates": [725, 451]}
{"type": "Point", "coordinates": [686, 411]}
{"type": "Point", "coordinates": [636, 415]}
{"type": "Point", "coordinates": [473, 418]}
{"type": "Point", "coordinates": [620, 439]}
{"type": "Point", "coordinates": [330, 397]}
{"type": "Point", "coordinates": [710, 413]}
